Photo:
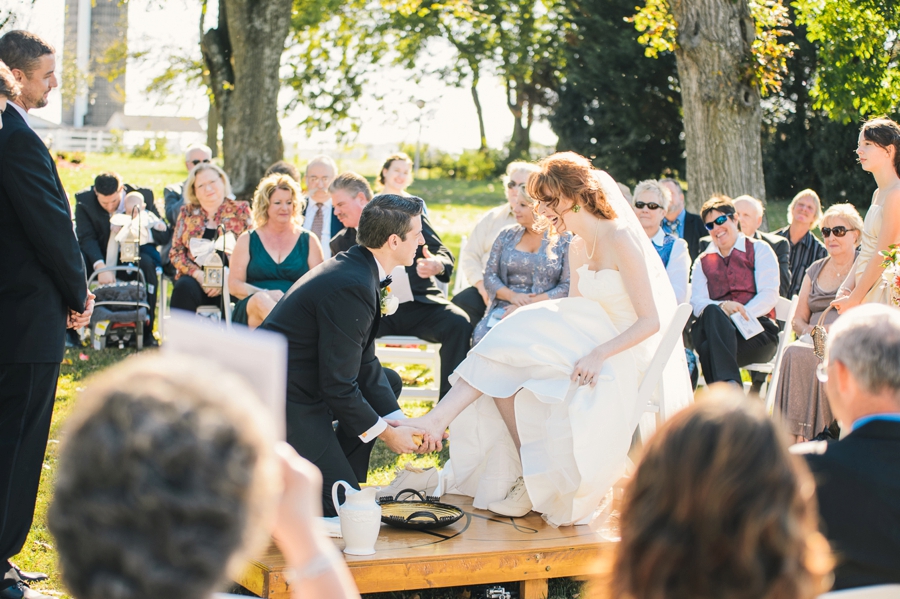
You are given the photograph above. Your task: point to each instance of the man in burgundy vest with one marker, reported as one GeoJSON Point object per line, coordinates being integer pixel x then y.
{"type": "Point", "coordinates": [735, 274]}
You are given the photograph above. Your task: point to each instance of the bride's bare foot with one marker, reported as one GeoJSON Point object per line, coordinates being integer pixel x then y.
{"type": "Point", "coordinates": [435, 432]}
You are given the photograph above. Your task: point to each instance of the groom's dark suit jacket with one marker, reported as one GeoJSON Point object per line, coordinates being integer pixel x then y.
{"type": "Point", "coordinates": [41, 271]}
{"type": "Point", "coordinates": [858, 490]}
{"type": "Point", "coordinates": [330, 318]}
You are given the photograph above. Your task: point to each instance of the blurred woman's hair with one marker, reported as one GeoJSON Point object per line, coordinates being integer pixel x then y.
{"type": "Point", "coordinates": [9, 87]}
{"type": "Point", "coordinates": [262, 198]}
{"type": "Point", "coordinates": [167, 481]}
{"type": "Point", "coordinates": [389, 161]}
{"type": "Point", "coordinates": [849, 213]}
{"type": "Point", "coordinates": [720, 509]}
{"type": "Point", "coordinates": [190, 193]}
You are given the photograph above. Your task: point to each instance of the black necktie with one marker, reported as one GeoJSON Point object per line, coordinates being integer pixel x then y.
{"type": "Point", "coordinates": [385, 282]}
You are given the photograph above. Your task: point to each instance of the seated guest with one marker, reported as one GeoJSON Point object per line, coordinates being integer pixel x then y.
{"type": "Point", "coordinates": [424, 311]}
{"type": "Point", "coordinates": [93, 209]}
{"type": "Point", "coordinates": [800, 399]}
{"type": "Point", "coordinates": [268, 260]}
{"type": "Point", "coordinates": [681, 223]}
{"type": "Point", "coordinates": [804, 214]}
{"type": "Point", "coordinates": [526, 265]}
{"type": "Point", "coordinates": [718, 508]}
{"type": "Point", "coordinates": [208, 206]}
{"type": "Point", "coordinates": [748, 212]}
{"type": "Point", "coordinates": [170, 482]}
{"type": "Point", "coordinates": [319, 218]}
{"type": "Point", "coordinates": [173, 196]}
{"type": "Point", "coordinates": [858, 477]}
{"type": "Point", "coordinates": [349, 194]}
{"type": "Point", "coordinates": [651, 201]}
{"type": "Point", "coordinates": [735, 275]}
{"type": "Point", "coordinates": [283, 167]}
{"type": "Point", "coordinates": [474, 254]}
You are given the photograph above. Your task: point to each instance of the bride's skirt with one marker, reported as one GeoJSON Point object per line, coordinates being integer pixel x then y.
{"type": "Point", "coordinates": [575, 439]}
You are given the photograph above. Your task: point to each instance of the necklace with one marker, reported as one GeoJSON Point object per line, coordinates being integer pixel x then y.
{"type": "Point", "coordinates": [590, 255]}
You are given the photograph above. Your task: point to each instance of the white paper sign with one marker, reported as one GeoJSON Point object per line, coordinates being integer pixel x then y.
{"type": "Point", "coordinates": [748, 328]}
{"type": "Point", "coordinates": [259, 356]}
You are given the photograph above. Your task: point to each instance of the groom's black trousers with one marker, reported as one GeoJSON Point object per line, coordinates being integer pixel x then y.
{"type": "Point", "coordinates": [338, 454]}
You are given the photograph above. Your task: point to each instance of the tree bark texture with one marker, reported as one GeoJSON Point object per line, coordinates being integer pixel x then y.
{"type": "Point", "coordinates": [243, 55]}
{"type": "Point", "coordinates": [520, 107]}
{"type": "Point", "coordinates": [721, 101]}
{"type": "Point", "coordinates": [482, 147]}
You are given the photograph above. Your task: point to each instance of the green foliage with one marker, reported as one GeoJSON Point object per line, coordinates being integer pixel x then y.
{"type": "Point", "coordinates": [857, 45]}
{"type": "Point", "coordinates": [659, 33]}
{"type": "Point", "coordinates": [153, 148]}
{"type": "Point", "coordinates": [470, 165]}
{"type": "Point", "coordinates": [802, 148]}
{"type": "Point", "coordinates": [617, 106]}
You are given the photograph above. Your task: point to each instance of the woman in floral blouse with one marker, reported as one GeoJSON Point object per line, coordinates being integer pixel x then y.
{"type": "Point", "coordinates": [208, 206]}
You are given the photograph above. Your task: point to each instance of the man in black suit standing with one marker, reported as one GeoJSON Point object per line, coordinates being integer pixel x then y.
{"type": "Point", "coordinates": [330, 318]}
{"type": "Point", "coordinates": [93, 208]}
{"type": "Point", "coordinates": [681, 223]}
{"type": "Point", "coordinates": [43, 291]}
{"type": "Point", "coordinates": [858, 477]}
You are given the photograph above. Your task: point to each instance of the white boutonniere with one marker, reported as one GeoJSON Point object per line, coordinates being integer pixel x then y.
{"type": "Point", "coordinates": [389, 301]}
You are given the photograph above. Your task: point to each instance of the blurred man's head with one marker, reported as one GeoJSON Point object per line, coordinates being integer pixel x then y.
{"type": "Point", "coordinates": [320, 172]}
{"type": "Point", "coordinates": [677, 204]}
{"type": "Point", "coordinates": [32, 62]}
{"type": "Point", "coordinates": [197, 154]}
{"type": "Point", "coordinates": [349, 195]}
{"type": "Point", "coordinates": [108, 187]}
{"type": "Point", "coordinates": [749, 213]}
{"type": "Point", "coordinates": [282, 167]}
{"type": "Point", "coordinates": [862, 358]}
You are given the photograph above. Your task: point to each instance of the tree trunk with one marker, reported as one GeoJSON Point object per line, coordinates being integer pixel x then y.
{"type": "Point", "coordinates": [483, 138]}
{"type": "Point", "coordinates": [721, 102]}
{"type": "Point", "coordinates": [520, 144]}
{"type": "Point", "coordinates": [243, 55]}
{"type": "Point", "coordinates": [212, 128]}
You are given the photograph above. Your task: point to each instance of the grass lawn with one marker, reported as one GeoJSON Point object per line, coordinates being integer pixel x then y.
{"type": "Point", "coordinates": [454, 207]}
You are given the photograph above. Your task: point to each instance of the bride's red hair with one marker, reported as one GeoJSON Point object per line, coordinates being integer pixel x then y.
{"type": "Point", "coordinates": [571, 176]}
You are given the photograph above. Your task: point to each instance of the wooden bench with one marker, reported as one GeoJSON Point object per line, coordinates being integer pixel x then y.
{"type": "Point", "coordinates": [482, 548]}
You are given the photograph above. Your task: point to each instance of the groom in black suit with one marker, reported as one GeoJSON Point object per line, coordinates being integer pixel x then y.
{"type": "Point", "coordinates": [42, 292]}
{"type": "Point", "coordinates": [330, 318]}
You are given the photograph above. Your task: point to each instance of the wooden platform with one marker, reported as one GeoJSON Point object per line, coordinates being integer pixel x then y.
{"type": "Point", "coordinates": [482, 548]}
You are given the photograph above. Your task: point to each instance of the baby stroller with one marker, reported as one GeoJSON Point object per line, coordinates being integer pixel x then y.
{"type": "Point", "coordinates": [121, 310]}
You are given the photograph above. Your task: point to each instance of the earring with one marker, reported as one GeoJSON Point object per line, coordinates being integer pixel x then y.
{"type": "Point", "coordinates": [576, 208]}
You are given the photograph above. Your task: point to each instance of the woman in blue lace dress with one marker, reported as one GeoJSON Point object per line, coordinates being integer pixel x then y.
{"type": "Point", "coordinates": [525, 266]}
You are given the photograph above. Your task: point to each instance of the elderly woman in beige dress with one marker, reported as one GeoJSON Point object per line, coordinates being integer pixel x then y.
{"type": "Point", "coordinates": [800, 398]}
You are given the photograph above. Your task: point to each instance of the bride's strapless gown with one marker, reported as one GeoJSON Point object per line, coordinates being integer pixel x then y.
{"type": "Point", "coordinates": [575, 439]}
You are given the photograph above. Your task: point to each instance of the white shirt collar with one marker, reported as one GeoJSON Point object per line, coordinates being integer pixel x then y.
{"type": "Point", "coordinates": [740, 245]}
{"type": "Point", "coordinates": [311, 203]}
{"type": "Point", "coordinates": [20, 110]}
{"type": "Point", "coordinates": [382, 274]}
{"type": "Point", "coordinates": [660, 237]}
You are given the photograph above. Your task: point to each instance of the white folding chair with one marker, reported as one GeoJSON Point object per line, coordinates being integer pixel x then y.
{"type": "Point", "coordinates": [460, 282]}
{"type": "Point", "coordinates": [880, 591]}
{"type": "Point", "coordinates": [784, 311]}
{"type": "Point", "coordinates": [654, 371]}
{"type": "Point", "coordinates": [397, 349]}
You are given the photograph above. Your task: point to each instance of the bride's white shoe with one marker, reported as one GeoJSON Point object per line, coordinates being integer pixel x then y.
{"type": "Point", "coordinates": [517, 502]}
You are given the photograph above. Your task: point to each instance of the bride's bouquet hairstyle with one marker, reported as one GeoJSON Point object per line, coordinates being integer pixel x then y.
{"type": "Point", "coordinates": [720, 509]}
{"type": "Point", "coordinates": [566, 181]}
{"type": "Point", "coordinates": [387, 215]}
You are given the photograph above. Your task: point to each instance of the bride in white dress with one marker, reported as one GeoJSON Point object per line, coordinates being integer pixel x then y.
{"type": "Point", "coordinates": [543, 409]}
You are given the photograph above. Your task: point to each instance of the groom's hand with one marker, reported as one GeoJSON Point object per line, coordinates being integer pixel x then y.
{"type": "Point", "coordinates": [402, 439]}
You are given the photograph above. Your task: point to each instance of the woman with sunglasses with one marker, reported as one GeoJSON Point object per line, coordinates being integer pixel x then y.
{"type": "Point", "coordinates": [800, 399]}
{"type": "Point", "coordinates": [879, 154]}
{"type": "Point", "coordinates": [651, 200]}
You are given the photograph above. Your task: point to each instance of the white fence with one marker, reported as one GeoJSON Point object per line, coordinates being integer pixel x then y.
{"type": "Point", "coordinates": [77, 140]}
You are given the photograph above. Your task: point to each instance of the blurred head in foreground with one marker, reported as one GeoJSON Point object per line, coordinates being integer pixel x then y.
{"type": "Point", "coordinates": [719, 509]}
{"type": "Point", "coordinates": [166, 482]}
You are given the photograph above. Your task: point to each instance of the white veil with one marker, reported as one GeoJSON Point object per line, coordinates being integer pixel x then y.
{"type": "Point", "coordinates": [674, 390]}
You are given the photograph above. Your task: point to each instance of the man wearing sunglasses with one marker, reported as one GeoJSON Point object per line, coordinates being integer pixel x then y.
{"type": "Point", "coordinates": [735, 275]}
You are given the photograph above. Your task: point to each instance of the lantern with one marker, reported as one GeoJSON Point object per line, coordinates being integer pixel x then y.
{"type": "Point", "coordinates": [130, 248]}
{"type": "Point", "coordinates": [213, 272]}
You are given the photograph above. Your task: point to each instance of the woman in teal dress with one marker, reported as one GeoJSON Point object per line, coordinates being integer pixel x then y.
{"type": "Point", "coordinates": [268, 260]}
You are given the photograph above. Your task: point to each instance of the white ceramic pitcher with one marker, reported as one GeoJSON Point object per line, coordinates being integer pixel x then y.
{"type": "Point", "coordinates": [360, 518]}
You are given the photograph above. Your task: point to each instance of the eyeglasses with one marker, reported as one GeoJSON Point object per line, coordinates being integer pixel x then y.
{"type": "Point", "coordinates": [839, 231]}
{"type": "Point", "coordinates": [822, 372]}
{"type": "Point", "coordinates": [196, 162]}
{"type": "Point", "coordinates": [651, 205]}
{"type": "Point", "coordinates": [513, 185]}
{"type": "Point", "coordinates": [717, 222]}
